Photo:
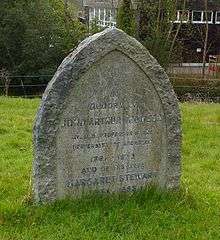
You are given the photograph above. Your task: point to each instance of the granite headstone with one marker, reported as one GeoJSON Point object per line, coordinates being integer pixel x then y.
{"type": "Point", "coordinates": [109, 121]}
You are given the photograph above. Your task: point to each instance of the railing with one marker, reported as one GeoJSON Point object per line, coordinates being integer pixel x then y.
{"type": "Point", "coordinates": [24, 86]}
{"type": "Point", "coordinates": [198, 89]}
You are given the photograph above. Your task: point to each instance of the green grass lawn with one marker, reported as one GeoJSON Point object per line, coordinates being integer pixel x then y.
{"type": "Point", "coordinates": [192, 213]}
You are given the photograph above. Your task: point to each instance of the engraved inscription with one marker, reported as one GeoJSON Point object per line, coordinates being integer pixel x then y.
{"type": "Point", "coordinates": [112, 142]}
{"type": "Point", "coordinates": [111, 120]}
{"type": "Point", "coordinates": [125, 162]}
{"type": "Point", "coordinates": [108, 122]}
{"type": "Point", "coordinates": [105, 180]}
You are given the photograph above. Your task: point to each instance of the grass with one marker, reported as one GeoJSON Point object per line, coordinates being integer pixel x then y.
{"type": "Point", "coordinates": [192, 213]}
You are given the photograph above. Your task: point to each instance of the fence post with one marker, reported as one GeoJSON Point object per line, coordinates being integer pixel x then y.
{"type": "Point", "coordinates": [4, 75]}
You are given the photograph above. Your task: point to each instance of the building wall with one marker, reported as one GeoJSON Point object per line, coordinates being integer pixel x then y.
{"type": "Point", "coordinates": [77, 3]}
{"type": "Point", "coordinates": [103, 12]}
{"type": "Point", "coordinates": [200, 4]}
{"type": "Point", "coordinates": [105, 3]}
{"type": "Point", "coordinates": [101, 3]}
{"type": "Point", "coordinates": [191, 43]}
{"type": "Point", "coordinates": [192, 34]}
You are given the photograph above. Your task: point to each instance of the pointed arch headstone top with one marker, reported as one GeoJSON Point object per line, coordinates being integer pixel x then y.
{"type": "Point", "coordinates": [109, 121]}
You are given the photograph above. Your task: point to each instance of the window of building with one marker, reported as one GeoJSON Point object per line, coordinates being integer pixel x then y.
{"type": "Point", "coordinates": [197, 17]}
{"type": "Point", "coordinates": [182, 16]}
{"type": "Point", "coordinates": [209, 17]}
{"type": "Point", "coordinates": [103, 17]}
{"type": "Point", "coordinates": [91, 13]}
{"type": "Point", "coordinates": [200, 17]}
{"type": "Point", "coordinates": [217, 18]}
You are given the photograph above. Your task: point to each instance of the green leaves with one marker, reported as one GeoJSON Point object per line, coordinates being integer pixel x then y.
{"type": "Point", "coordinates": [35, 35]}
{"type": "Point", "coordinates": [126, 18]}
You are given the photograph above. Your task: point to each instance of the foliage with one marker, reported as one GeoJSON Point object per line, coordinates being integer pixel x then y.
{"type": "Point", "coordinates": [94, 27]}
{"type": "Point", "coordinates": [156, 29]}
{"type": "Point", "coordinates": [126, 18]}
{"type": "Point", "coordinates": [193, 213]}
{"type": "Point", "coordinates": [35, 36]}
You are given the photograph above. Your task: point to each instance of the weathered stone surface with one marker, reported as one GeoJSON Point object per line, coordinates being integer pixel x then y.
{"type": "Point", "coordinates": [109, 121]}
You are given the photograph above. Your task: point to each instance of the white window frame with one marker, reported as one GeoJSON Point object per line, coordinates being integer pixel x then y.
{"type": "Point", "coordinates": [216, 14]}
{"type": "Point", "coordinates": [91, 14]}
{"type": "Point", "coordinates": [202, 17]}
{"type": "Point", "coordinates": [102, 22]}
{"type": "Point", "coordinates": [178, 20]}
{"type": "Point", "coordinates": [212, 17]}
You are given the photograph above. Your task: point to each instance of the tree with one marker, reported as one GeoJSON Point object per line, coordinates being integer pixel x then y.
{"type": "Point", "coordinates": [206, 39]}
{"type": "Point", "coordinates": [5, 79]}
{"type": "Point", "coordinates": [178, 28]}
{"type": "Point", "coordinates": [155, 28]}
{"type": "Point", "coordinates": [35, 35]}
{"type": "Point", "coordinates": [126, 18]}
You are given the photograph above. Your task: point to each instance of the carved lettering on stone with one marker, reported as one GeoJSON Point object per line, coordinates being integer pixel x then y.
{"type": "Point", "coordinates": [109, 121]}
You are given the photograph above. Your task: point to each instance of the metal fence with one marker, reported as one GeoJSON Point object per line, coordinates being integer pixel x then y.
{"type": "Point", "coordinates": [198, 89]}
{"type": "Point", "coordinates": [24, 86]}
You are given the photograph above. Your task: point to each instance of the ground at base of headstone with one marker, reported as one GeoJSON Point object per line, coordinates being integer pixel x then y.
{"type": "Point", "coordinates": [191, 213]}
